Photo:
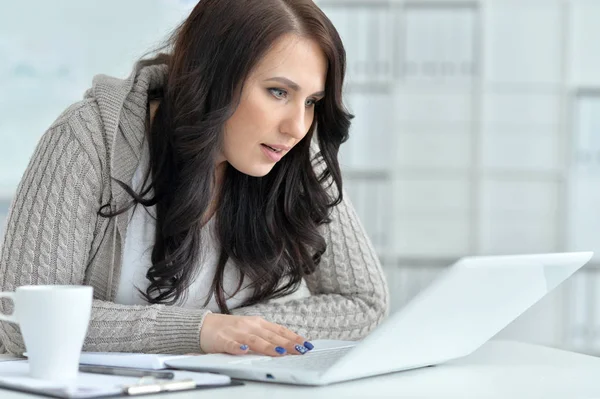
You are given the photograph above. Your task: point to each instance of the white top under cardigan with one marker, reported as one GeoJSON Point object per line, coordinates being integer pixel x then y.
{"type": "Point", "coordinates": [137, 260]}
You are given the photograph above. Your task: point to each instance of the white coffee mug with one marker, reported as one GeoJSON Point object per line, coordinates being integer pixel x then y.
{"type": "Point", "coordinates": [53, 320]}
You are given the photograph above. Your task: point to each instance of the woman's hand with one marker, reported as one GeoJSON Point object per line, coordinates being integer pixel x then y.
{"type": "Point", "coordinates": [239, 334]}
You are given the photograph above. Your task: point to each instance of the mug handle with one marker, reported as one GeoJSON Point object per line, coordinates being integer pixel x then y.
{"type": "Point", "coordinates": [10, 318]}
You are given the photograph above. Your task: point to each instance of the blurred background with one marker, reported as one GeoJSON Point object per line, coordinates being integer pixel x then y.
{"type": "Point", "coordinates": [477, 126]}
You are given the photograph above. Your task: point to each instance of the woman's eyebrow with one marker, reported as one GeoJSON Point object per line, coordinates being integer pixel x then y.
{"type": "Point", "coordinates": [292, 85]}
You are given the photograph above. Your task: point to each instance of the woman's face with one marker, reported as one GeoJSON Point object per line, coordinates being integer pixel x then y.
{"type": "Point", "coordinates": [277, 106]}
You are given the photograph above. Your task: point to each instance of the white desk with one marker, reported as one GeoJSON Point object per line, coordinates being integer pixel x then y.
{"type": "Point", "coordinates": [500, 369]}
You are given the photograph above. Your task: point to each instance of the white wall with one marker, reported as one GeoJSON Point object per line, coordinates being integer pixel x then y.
{"type": "Point", "coordinates": [49, 53]}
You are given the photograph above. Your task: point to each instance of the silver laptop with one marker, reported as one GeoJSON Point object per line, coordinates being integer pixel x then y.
{"type": "Point", "coordinates": [471, 301]}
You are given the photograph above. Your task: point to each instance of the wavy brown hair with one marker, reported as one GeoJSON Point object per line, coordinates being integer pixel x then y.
{"type": "Point", "coordinates": [269, 226]}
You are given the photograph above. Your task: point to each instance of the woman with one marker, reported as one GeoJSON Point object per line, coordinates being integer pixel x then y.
{"type": "Point", "coordinates": [191, 198]}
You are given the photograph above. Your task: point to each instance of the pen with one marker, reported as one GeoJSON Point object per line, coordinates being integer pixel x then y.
{"type": "Point", "coordinates": [126, 371]}
{"type": "Point", "coordinates": [142, 389]}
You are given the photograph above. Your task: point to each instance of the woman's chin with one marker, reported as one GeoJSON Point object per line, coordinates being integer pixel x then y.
{"type": "Point", "coordinates": [256, 170]}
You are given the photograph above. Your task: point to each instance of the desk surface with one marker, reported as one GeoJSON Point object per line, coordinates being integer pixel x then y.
{"type": "Point", "coordinates": [500, 369]}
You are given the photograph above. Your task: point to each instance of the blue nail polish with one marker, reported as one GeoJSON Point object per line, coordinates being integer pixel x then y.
{"type": "Point", "coordinates": [309, 346]}
{"type": "Point", "coordinates": [244, 347]}
{"type": "Point", "coordinates": [280, 350]}
{"type": "Point", "coordinates": [301, 349]}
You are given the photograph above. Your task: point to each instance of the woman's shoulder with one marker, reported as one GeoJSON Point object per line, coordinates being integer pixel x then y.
{"type": "Point", "coordinates": [83, 119]}
{"type": "Point", "coordinates": [81, 123]}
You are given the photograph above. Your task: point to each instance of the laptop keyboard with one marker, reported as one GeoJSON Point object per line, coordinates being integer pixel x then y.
{"type": "Point", "coordinates": [316, 361]}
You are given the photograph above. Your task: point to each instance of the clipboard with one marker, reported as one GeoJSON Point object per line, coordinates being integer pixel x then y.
{"type": "Point", "coordinates": [15, 377]}
{"type": "Point", "coordinates": [61, 395]}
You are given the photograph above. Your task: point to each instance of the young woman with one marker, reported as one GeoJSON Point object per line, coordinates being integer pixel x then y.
{"type": "Point", "coordinates": [202, 196]}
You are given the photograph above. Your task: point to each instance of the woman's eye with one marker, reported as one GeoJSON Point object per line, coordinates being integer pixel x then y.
{"type": "Point", "coordinates": [310, 103]}
{"type": "Point", "coordinates": [278, 93]}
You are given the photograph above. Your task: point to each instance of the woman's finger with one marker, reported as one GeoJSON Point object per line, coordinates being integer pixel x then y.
{"type": "Point", "coordinates": [260, 345]}
{"type": "Point", "coordinates": [294, 343]}
{"type": "Point", "coordinates": [277, 340]}
{"type": "Point", "coordinates": [231, 346]}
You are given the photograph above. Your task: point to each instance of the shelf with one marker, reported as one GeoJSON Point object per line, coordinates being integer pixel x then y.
{"type": "Point", "coordinates": [366, 174]}
{"type": "Point", "coordinates": [490, 87]}
{"type": "Point", "coordinates": [365, 87]}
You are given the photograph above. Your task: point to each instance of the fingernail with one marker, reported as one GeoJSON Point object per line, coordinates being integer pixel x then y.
{"type": "Point", "coordinates": [244, 347]}
{"type": "Point", "coordinates": [309, 346]}
{"type": "Point", "coordinates": [280, 350]}
{"type": "Point", "coordinates": [301, 349]}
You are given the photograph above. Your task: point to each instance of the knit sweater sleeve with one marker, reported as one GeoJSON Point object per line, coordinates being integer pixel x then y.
{"type": "Point", "coordinates": [49, 233]}
{"type": "Point", "coordinates": [349, 294]}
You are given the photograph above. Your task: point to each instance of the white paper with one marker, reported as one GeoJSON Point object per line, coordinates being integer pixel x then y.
{"type": "Point", "coordinates": [124, 359]}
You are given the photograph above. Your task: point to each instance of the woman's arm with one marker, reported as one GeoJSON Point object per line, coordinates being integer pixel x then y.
{"type": "Point", "coordinates": [49, 233]}
{"type": "Point", "coordinates": [349, 292]}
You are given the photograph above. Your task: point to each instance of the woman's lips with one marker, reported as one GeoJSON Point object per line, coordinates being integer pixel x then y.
{"type": "Point", "coordinates": [271, 153]}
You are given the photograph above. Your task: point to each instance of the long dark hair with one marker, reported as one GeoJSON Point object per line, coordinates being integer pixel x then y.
{"type": "Point", "coordinates": [269, 226]}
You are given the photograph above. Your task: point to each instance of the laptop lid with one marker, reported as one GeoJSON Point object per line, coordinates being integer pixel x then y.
{"type": "Point", "coordinates": [464, 307]}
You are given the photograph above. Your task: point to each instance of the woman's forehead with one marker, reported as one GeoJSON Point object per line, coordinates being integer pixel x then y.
{"type": "Point", "coordinates": [298, 59]}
